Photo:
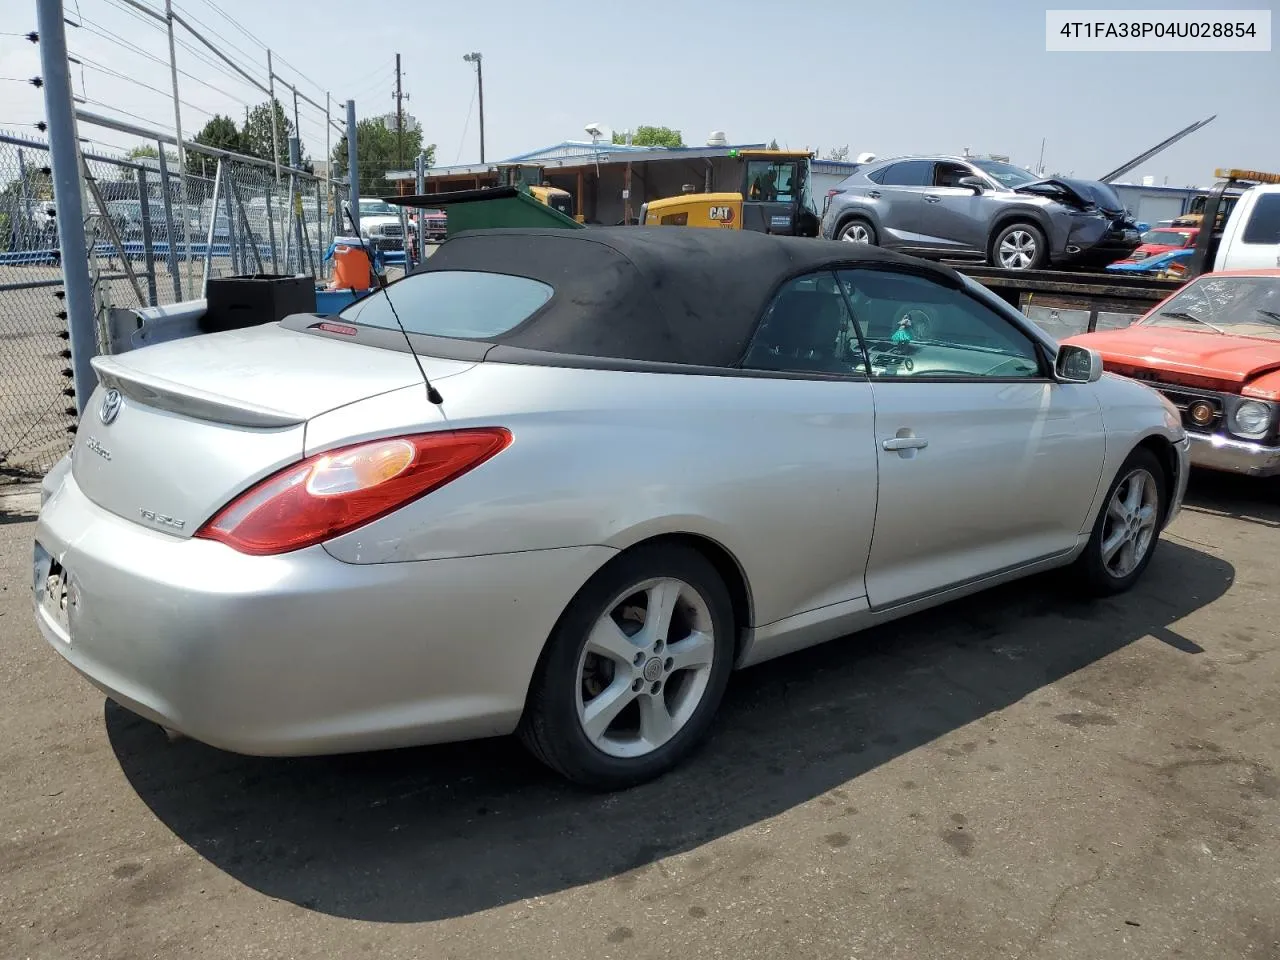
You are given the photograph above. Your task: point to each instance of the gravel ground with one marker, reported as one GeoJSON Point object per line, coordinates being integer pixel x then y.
{"type": "Point", "coordinates": [1016, 775]}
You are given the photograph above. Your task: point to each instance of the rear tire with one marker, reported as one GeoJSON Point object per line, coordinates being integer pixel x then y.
{"type": "Point", "coordinates": [857, 230]}
{"type": "Point", "coordinates": [634, 670]}
{"type": "Point", "coordinates": [1127, 530]}
{"type": "Point", "coordinates": [1019, 246]}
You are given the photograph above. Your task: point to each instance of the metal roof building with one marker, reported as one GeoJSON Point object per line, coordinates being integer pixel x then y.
{"type": "Point", "coordinates": [596, 174]}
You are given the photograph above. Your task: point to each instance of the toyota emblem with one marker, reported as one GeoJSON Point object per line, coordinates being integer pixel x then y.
{"type": "Point", "coordinates": [110, 406]}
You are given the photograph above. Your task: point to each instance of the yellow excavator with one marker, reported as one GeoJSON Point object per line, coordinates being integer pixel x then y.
{"type": "Point", "coordinates": [774, 198]}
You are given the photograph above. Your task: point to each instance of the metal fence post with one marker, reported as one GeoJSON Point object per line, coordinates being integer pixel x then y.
{"type": "Point", "coordinates": [171, 235]}
{"type": "Point", "coordinates": [353, 167]}
{"type": "Point", "coordinates": [213, 223]}
{"type": "Point", "coordinates": [271, 227]}
{"type": "Point", "coordinates": [144, 208]}
{"type": "Point", "coordinates": [295, 200]}
{"type": "Point", "coordinates": [420, 176]}
{"type": "Point", "coordinates": [271, 95]}
{"type": "Point", "coordinates": [64, 159]}
{"type": "Point", "coordinates": [319, 235]}
{"type": "Point", "coordinates": [233, 227]}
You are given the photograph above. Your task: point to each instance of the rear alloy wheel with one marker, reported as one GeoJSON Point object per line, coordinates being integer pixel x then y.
{"type": "Point", "coordinates": [1128, 528]}
{"type": "Point", "coordinates": [857, 231]}
{"type": "Point", "coordinates": [635, 670]}
{"type": "Point", "coordinates": [1019, 246]}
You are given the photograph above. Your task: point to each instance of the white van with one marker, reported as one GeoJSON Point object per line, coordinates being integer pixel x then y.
{"type": "Point", "coordinates": [1251, 237]}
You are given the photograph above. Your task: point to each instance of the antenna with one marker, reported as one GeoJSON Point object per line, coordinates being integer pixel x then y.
{"type": "Point", "coordinates": [433, 395]}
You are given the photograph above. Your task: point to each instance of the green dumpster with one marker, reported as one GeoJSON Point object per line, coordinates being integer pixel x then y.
{"type": "Point", "coordinates": [488, 208]}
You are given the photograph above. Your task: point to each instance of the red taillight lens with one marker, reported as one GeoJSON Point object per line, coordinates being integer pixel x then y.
{"type": "Point", "coordinates": [334, 492]}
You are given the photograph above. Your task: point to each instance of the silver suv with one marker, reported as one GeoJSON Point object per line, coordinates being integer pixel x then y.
{"type": "Point", "coordinates": [966, 208]}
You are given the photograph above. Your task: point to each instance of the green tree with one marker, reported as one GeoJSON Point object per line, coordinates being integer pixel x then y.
{"type": "Point", "coordinates": [773, 145]}
{"type": "Point", "coordinates": [145, 151]}
{"type": "Point", "coordinates": [377, 151]}
{"type": "Point", "coordinates": [221, 133]}
{"type": "Point", "coordinates": [255, 138]}
{"type": "Point", "coordinates": [647, 136]}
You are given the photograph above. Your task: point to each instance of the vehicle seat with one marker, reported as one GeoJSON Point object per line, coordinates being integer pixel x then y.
{"type": "Point", "coordinates": [802, 333]}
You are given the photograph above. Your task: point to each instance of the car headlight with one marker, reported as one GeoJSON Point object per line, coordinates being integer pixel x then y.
{"type": "Point", "coordinates": [1251, 419]}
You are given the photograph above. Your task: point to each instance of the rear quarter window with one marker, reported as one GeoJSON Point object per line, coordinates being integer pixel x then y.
{"type": "Point", "coordinates": [469, 304]}
{"type": "Point", "coordinates": [1264, 220]}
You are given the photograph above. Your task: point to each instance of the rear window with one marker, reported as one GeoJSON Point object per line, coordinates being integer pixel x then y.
{"type": "Point", "coordinates": [1264, 221]}
{"type": "Point", "coordinates": [469, 304]}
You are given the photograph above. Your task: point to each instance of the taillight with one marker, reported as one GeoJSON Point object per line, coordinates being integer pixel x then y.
{"type": "Point", "coordinates": [332, 493]}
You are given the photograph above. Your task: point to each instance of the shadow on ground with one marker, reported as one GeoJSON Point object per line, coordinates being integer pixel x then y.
{"type": "Point", "coordinates": [1252, 499]}
{"type": "Point", "coordinates": [430, 833]}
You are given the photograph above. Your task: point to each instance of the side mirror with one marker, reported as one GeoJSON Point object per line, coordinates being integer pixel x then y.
{"type": "Point", "coordinates": [1075, 364]}
{"type": "Point", "coordinates": [976, 184]}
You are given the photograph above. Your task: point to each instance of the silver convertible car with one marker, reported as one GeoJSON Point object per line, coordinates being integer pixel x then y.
{"type": "Point", "coordinates": [562, 483]}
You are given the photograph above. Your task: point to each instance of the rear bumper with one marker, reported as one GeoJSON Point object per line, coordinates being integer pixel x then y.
{"type": "Point", "coordinates": [300, 653]}
{"type": "Point", "coordinates": [1246, 457]}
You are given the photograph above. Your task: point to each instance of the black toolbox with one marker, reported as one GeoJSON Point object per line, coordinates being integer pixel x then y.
{"type": "Point", "coordinates": [256, 298]}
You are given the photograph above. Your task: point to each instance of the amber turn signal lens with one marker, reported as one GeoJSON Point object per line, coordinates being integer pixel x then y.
{"type": "Point", "coordinates": [1201, 413]}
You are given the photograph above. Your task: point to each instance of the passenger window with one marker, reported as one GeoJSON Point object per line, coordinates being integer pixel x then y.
{"type": "Point", "coordinates": [947, 174]}
{"type": "Point", "coordinates": [1264, 220]}
{"type": "Point", "coordinates": [916, 327]}
{"type": "Point", "coordinates": [908, 173]}
{"type": "Point", "coordinates": [807, 329]}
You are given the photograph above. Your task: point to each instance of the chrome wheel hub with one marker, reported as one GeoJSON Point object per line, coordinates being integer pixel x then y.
{"type": "Point", "coordinates": [855, 233]}
{"type": "Point", "coordinates": [1130, 525]}
{"type": "Point", "coordinates": [1017, 250]}
{"type": "Point", "coordinates": [645, 667]}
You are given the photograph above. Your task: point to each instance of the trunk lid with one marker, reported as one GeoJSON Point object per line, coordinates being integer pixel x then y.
{"type": "Point", "coordinates": [1190, 358]}
{"type": "Point", "coordinates": [175, 430]}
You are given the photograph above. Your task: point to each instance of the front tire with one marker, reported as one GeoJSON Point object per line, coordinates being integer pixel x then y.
{"type": "Point", "coordinates": [1019, 246]}
{"type": "Point", "coordinates": [634, 671]}
{"type": "Point", "coordinates": [1127, 530]}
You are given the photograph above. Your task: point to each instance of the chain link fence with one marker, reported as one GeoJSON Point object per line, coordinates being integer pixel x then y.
{"type": "Point", "coordinates": [156, 233]}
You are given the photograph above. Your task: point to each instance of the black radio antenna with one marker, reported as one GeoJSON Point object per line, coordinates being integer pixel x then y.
{"type": "Point", "coordinates": [433, 395]}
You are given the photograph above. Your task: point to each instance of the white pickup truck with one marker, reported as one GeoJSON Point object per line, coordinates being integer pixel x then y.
{"type": "Point", "coordinates": [1251, 236]}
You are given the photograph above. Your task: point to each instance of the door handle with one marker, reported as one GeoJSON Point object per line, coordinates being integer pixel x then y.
{"type": "Point", "coordinates": [932, 199]}
{"type": "Point", "coordinates": [905, 443]}
{"type": "Point", "coordinates": [874, 194]}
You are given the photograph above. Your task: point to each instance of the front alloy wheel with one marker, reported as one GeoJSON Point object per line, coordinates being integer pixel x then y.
{"type": "Point", "coordinates": [1018, 250]}
{"type": "Point", "coordinates": [1130, 525]}
{"type": "Point", "coordinates": [1127, 530]}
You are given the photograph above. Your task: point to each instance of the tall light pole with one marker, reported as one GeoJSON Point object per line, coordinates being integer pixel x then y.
{"type": "Point", "coordinates": [476, 59]}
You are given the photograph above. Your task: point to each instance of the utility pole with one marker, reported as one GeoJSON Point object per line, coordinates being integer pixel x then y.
{"type": "Point", "coordinates": [399, 119]}
{"type": "Point", "coordinates": [477, 59]}
{"type": "Point", "coordinates": [353, 168]}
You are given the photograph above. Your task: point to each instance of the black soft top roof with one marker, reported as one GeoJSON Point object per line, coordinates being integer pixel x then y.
{"type": "Point", "coordinates": [660, 294]}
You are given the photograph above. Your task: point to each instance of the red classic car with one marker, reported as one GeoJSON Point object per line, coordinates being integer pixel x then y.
{"type": "Point", "coordinates": [1213, 348]}
{"type": "Point", "coordinates": [1161, 240]}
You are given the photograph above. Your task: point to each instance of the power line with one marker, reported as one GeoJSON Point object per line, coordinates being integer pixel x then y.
{"type": "Point", "coordinates": [164, 93]}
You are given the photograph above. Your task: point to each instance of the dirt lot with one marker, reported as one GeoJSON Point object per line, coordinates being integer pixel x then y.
{"type": "Point", "coordinates": [1017, 775]}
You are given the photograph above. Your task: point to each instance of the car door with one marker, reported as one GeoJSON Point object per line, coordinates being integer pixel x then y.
{"type": "Point", "coordinates": [952, 217]}
{"type": "Point", "coordinates": [897, 191]}
{"type": "Point", "coordinates": [985, 462]}
{"type": "Point", "coordinates": [821, 507]}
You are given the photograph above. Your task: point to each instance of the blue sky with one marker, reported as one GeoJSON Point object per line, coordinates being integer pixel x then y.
{"type": "Point", "coordinates": [887, 77]}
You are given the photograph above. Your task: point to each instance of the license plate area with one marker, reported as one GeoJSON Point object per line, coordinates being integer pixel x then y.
{"type": "Point", "coordinates": [52, 588]}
